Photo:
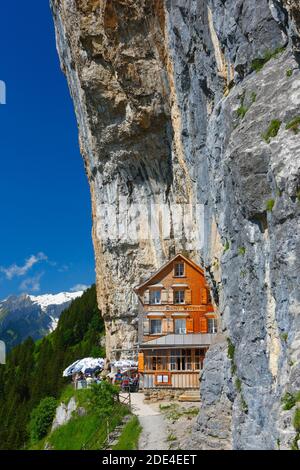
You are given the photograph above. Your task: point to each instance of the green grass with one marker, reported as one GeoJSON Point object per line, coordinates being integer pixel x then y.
{"type": "Point", "coordinates": [191, 411]}
{"type": "Point", "coordinates": [272, 130]}
{"type": "Point", "coordinates": [76, 432]}
{"type": "Point", "coordinates": [293, 125]}
{"type": "Point", "coordinates": [87, 432]}
{"type": "Point", "coordinates": [163, 407]}
{"type": "Point", "coordinates": [174, 412]}
{"type": "Point", "coordinates": [270, 204]}
{"type": "Point", "coordinates": [253, 96]}
{"type": "Point", "coordinates": [130, 435]}
{"type": "Point", "coordinates": [82, 396]}
{"type": "Point", "coordinates": [289, 73]}
{"type": "Point", "coordinates": [259, 62]}
{"type": "Point", "coordinates": [242, 250]}
{"type": "Point", "coordinates": [40, 445]}
{"type": "Point", "coordinates": [171, 437]}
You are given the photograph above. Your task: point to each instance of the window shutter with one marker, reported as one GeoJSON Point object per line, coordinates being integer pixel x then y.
{"type": "Point", "coordinates": [204, 296]}
{"type": "Point", "coordinates": [171, 296]}
{"type": "Point", "coordinates": [146, 326]}
{"type": "Point", "coordinates": [203, 325]}
{"type": "Point", "coordinates": [141, 362]}
{"type": "Point", "coordinates": [164, 296]}
{"type": "Point", "coordinates": [146, 296]}
{"type": "Point", "coordinates": [188, 296]}
{"type": "Point", "coordinates": [164, 326]}
{"type": "Point", "coordinates": [189, 325]}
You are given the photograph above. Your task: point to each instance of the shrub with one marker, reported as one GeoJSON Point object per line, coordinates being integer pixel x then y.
{"type": "Point", "coordinates": [284, 337]}
{"type": "Point", "coordinates": [270, 204]}
{"type": "Point", "coordinates": [294, 445]}
{"type": "Point", "coordinates": [242, 250]}
{"type": "Point", "coordinates": [244, 404]}
{"type": "Point", "coordinates": [293, 125]}
{"type": "Point", "coordinates": [238, 384]}
{"type": "Point", "coordinates": [41, 418]}
{"type": "Point", "coordinates": [288, 401]}
{"type": "Point", "coordinates": [272, 130]}
{"type": "Point", "coordinates": [259, 62]}
{"type": "Point", "coordinates": [253, 96]}
{"type": "Point", "coordinates": [289, 73]}
{"type": "Point", "coordinates": [226, 246]}
{"type": "Point", "coordinates": [296, 420]}
{"type": "Point", "coordinates": [230, 349]}
{"type": "Point", "coordinates": [241, 111]}
{"type": "Point", "coordinates": [102, 398]}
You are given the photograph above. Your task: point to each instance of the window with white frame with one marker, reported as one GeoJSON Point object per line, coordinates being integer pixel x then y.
{"type": "Point", "coordinates": [179, 296]}
{"type": "Point", "coordinates": [181, 359]}
{"type": "Point", "coordinates": [179, 270]}
{"type": "Point", "coordinates": [212, 325]}
{"type": "Point", "coordinates": [155, 327]}
{"type": "Point", "coordinates": [155, 296]}
{"type": "Point", "coordinates": [180, 326]}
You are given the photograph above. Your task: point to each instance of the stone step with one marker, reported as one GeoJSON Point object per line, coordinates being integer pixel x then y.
{"type": "Point", "coordinates": [193, 396]}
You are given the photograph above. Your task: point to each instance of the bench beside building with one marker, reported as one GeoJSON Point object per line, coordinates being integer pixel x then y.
{"type": "Point", "coordinates": [176, 325]}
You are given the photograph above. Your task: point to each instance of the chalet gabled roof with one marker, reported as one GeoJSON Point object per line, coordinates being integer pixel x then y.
{"type": "Point", "coordinates": [154, 275]}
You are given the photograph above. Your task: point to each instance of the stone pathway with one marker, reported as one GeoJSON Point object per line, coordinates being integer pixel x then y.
{"type": "Point", "coordinates": [155, 432]}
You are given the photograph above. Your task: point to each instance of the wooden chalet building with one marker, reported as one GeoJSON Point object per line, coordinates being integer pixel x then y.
{"type": "Point", "coordinates": [176, 325]}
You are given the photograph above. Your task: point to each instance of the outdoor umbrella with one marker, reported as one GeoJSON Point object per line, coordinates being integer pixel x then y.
{"type": "Point", "coordinates": [82, 365]}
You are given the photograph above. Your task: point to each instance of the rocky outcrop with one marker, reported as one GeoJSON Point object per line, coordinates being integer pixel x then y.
{"type": "Point", "coordinates": [191, 108]}
{"type": "Point", "coordinates": [120, 75]}
{"type": "Point", "coordinates": [64, 412]}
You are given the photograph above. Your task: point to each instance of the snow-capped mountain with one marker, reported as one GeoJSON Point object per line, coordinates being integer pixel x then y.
{"type": "Point", "coordinates": [54, 299]}
{"type": "Point", "coordinates": [29, 315]}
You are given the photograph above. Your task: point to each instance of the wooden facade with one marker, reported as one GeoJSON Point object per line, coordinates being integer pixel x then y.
{"type": "Point", "coordinates": [176, 325]}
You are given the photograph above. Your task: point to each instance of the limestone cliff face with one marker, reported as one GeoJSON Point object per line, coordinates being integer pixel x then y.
{"type": "Point", "coordinates": [187, 112]}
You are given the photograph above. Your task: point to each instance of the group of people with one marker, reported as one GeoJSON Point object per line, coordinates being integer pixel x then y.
{"type": "Point", "coordinates": [127, 382]}
{"type": "Point", "coordinates": [82, 380]}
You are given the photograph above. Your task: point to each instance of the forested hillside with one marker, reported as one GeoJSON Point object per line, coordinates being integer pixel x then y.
{"type": "Point", "coordinates": [34, 370]}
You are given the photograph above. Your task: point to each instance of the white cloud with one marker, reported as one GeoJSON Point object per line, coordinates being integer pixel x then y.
{"type": "Point", "coordinates": [64, 268]}
{"type": "Point", "coordinates": [79, 287]}
{"type": "Point", "coordinates": [31, 284]}
{"type": "Point", "coordinates": [15, 271]}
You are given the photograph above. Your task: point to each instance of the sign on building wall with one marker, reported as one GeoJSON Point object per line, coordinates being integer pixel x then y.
{"type": "Point", "coordinates": [2, 352]}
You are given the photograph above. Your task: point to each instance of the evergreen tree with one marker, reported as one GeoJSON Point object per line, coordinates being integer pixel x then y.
{"type": "Point", "coordinates": [34, 370]}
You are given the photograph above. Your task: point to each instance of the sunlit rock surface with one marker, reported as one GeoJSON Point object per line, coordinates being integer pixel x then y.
{"type": "Point", "coordinates": [190, 107]}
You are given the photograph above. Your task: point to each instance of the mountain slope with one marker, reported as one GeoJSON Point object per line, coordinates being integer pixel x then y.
{"type": "Point", "coordinates": [34, 370]}
{"type": "Point", "coordinates": [27, 315]}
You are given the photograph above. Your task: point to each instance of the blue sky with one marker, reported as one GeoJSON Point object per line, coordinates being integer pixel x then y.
{"type": "Point", "coordinates": [45, 215]}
